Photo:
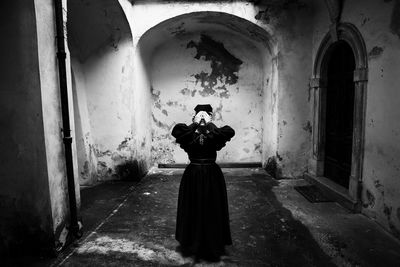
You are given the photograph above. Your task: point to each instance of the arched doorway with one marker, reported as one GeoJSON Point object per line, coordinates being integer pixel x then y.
{"type": "Point", "coordinates": [339, 114]}
{"type": "Point", "coordinates": [339, 83]}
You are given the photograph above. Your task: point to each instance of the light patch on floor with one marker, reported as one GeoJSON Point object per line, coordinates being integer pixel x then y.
{"type": "Point", "coordinates": [159, 254]}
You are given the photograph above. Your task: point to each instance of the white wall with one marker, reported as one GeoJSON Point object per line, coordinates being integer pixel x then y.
{"type": "Point", "coordinates": [180, 81]}
{"type": "Point", "coordinates": [286, 131]}
{"type": "Point", "coordinates": [102, 67]}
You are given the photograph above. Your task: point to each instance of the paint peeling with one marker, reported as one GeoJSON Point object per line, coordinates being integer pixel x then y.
{"type": "Point", "coordinates": [375, 52]}
{"type": "Point", "coordinates": [278, 156]}
{"type": "Point", "coordinates": [307, 127]}
{"type": "Point", "coordinates": [172, 103]}
{"type": "Point", "coordinates": [370, 200]}
{"type": "Point", "coordinates": [161, 124]}
{"type": "Point", "coordinates": [387, 211]}
{"type": "Point", "coordinates": [178, 30]}
{"type": "Point", "coordinates": [224, 65]}
{"type": "Point", "coordinates": [124, 144]}
{"type": "Point", "coordinates": [103, 170]}
{"type": "Point", "coordinates": [155, 94]}
{"type": "Point", "coordinates": [85, 171]}
{"type": "Point", "coordinates": [364, 19]}
{"type": "Point", "coordinates": [274, 11]}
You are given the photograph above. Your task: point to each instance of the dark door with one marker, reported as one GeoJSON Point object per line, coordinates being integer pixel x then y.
{"type": "Point", "coordinates": [339, 114]}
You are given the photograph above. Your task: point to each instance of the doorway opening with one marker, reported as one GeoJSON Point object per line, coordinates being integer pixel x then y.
{"type": "Point", "coordinates": [339, 114]}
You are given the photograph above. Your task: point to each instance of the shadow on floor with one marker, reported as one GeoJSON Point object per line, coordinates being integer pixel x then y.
{"type": "Point", "coordinates": [141, 232]}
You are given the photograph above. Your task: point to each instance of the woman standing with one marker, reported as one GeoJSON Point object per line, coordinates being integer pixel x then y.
{"type": "Point", "coordinates": [202, 226]}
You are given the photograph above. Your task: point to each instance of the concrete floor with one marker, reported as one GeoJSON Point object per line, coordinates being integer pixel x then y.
{"type": "Point", "coordinates": [271, 223]}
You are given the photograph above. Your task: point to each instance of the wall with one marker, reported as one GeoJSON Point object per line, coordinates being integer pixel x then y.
{"type": "Point", "coordinates": [102, 61]}
{"type": "Point", "coordinates": [381, 33]}
{"type": "Point", "coordinates": [25, 205]}
{"type": "Point", "coordinates": [291, 21]}
{"type": "Point", "coordinates": [286, 131]}
{"type": "Point", "coordinates": [217, 68]}
{"type": "Point", "coordinates": [52, 121]}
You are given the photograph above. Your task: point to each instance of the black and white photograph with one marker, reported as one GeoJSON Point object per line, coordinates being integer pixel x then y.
{"type": "Point", "coordinates": [204, 133]}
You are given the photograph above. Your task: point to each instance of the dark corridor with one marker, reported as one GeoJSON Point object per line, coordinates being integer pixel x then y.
{"type": "Point", "coordinates": [339, 114]}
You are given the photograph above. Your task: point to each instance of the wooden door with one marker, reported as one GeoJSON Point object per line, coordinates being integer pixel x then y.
{"type": "Point", "coordinates": [339, 114]}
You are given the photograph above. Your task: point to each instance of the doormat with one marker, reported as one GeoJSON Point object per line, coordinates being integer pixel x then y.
{"type": "Point", "coordinates": [312, 193]}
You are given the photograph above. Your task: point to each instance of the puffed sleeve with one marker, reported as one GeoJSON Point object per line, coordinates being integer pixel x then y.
{"type": "Point", "coordinates": [184, 134]}
{"type": "Point", "coordinates": [219, 136]}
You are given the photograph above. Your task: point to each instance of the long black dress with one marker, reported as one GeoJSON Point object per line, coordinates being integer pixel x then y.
{"type": "Point", "coordinates": [202, 226]}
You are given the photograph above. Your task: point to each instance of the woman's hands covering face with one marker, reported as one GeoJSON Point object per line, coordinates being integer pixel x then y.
{"type": "Point", "coordinates": [202, 115]}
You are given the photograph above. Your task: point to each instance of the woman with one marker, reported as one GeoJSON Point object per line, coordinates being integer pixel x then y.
{"type": "Point", "coordinates": [202, 226]}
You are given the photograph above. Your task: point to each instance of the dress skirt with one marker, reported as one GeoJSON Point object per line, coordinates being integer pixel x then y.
{"type": "Point", "coordinates": [202, 226]}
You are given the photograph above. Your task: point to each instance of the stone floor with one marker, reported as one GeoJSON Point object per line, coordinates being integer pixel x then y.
{"type": "Point", "coordinates": [133, 224]}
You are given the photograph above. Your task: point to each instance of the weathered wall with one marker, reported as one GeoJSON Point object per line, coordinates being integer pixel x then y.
{"type": "Point", "coordinates": [217, 68]}
{"type": "Point", "coordinates": [52, 121]}
{"type": "Point", "coordinates": [103, 89]}
{"type": "Point", "coordinates": [289, 104]}
{"type": "Point", "coordinates": [25, 207]}
{"type": "Point", "coordinates": [285, 27]}
{"type": "Point", "coordinates": [381, 33]}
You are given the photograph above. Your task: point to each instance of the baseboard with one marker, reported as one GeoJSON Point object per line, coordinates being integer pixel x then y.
{"type": "Point", "coordinates": [221, 164]}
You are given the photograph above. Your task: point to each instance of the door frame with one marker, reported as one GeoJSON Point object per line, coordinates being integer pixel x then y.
{"type": "Point", "coordinates": [349, 33]}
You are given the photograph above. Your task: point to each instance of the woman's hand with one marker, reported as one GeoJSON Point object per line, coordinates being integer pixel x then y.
{"type": "Point", "coordinates": [202, 117]}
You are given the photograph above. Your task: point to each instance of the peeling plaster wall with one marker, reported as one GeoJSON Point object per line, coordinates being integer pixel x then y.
{"type": "Point", "coordinates": [289, 104]}
{"type": "Point", "coordinates": [217, 68]}
{"type": "Point", "coordinates": [26, 223]}
{"type": "Point", "coordinates": [108, 99]}
{"type": "Point", "coordinates": [378, 22]}
{"type": "Point", "coordinates": [286, 113]}
{"type": "Point", "coordinates": [102, 68]}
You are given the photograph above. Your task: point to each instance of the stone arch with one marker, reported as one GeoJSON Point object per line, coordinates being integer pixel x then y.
{"type": "Point", "coordinates": [177, 29]}
{"type": "Point", "coordinates": [348, 33]}
{"type": "Point", "coordinates": [223, 19]}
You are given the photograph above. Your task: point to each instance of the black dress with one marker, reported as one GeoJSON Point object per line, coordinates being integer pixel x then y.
{"type": "Point", "coordinates": [202, 226]}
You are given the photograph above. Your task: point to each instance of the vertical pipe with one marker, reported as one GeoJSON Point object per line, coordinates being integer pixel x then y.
{"type": "Point", "coordinates": [67, 139]}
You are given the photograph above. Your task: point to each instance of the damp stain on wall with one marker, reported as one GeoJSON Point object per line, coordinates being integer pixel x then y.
{"type": "Point", "coordinates": [160, 124]}
{"type": "Point", "coordinates": [272, 11]}
{"type": "Point", "coordinates": [375, 52]}
{"type": "Point", "coordinates": [224, 66]}
{"type": "Point", "coordinates": [307, 127]}
{"type": "Point", "coordinates": [370, 200]}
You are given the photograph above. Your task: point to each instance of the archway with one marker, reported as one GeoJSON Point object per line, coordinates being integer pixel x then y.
{"type": "Point", "coordinates": [206, 57]}
{"type": "Point", "coordinates": [347, 35]}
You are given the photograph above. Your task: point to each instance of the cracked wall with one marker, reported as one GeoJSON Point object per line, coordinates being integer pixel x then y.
{"type": "Point", "coordinates": [287, 42]}
{"type": "Point", "coordinates": [102, 70]}
{"type": "Point", "coordinates": [381, 168]}
{"type": "Point", "coordinates": [217, 68]}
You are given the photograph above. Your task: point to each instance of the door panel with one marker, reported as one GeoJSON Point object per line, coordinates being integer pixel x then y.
{"type": "Point", "coordinates": [339, 114]}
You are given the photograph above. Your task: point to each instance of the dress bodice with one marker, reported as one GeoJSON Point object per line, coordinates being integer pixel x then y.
{"type": "Point", "coordinates": [202, 145]}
